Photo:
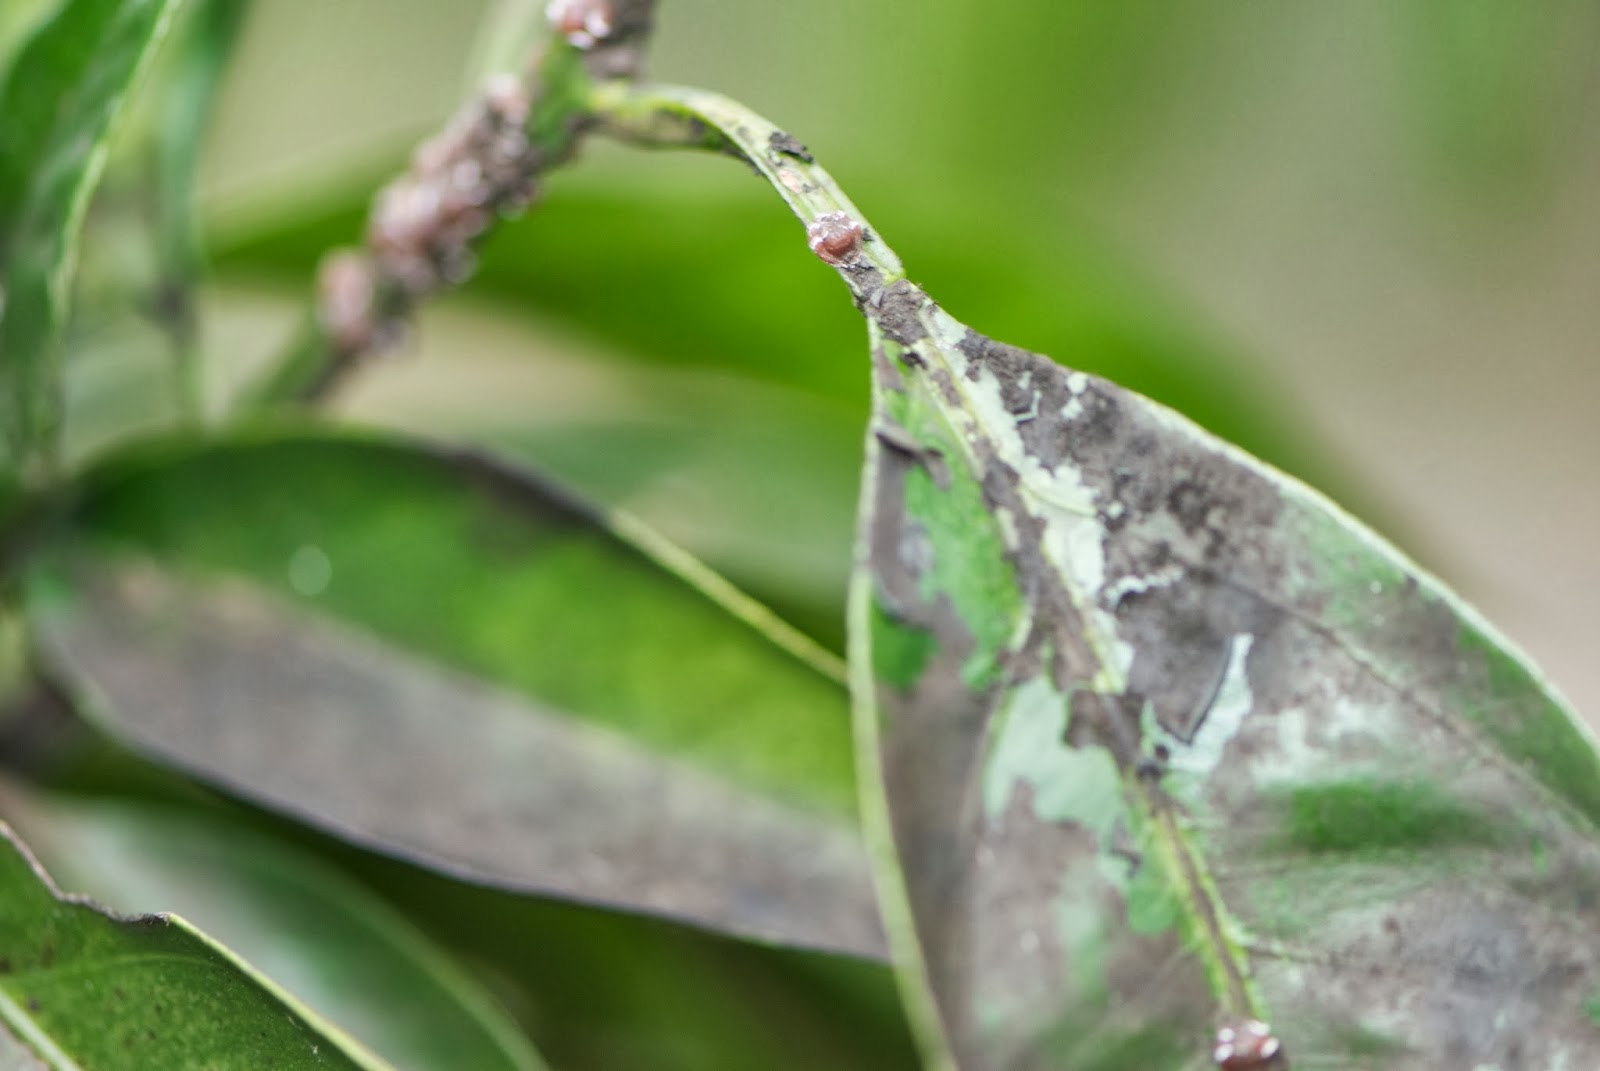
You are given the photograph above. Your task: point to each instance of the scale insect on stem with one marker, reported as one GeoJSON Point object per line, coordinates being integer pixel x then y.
{"type": "Point", "coordinates": [835, 237]}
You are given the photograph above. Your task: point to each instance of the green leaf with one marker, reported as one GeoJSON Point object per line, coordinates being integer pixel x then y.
{"type": "Point", "coordinates": [86, 990]}
{"type": "Point", "coordinates": [440, 657]}
{"type": "Point", "coordinates": [759, 481]}
{"type": "Point", "coordinates": [58, 104]}
{"type": "Point", "coordinates": [594, 989]}
{"type": "Point", "coordinates": [199, 57]}
{"type": "Point", "coordinates": [1164, 742]}
{"type": "Point", "coordinates": [315, 933]}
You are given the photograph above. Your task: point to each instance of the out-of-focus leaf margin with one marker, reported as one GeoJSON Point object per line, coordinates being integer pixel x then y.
{"type": "Point", "coordinates": [59, 101]}
{"type": "Point", "coordinates": [470, 627]}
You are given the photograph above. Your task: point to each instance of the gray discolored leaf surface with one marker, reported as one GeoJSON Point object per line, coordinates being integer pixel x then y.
{"type": "Point", "coordinates": [328, 941]}
{"type": "Point", "coordinates": [1167, 743]}
{"type": "Point", "coordinates": [326, 724]}
{"type": "Point", "coordinates": [1156, 742]}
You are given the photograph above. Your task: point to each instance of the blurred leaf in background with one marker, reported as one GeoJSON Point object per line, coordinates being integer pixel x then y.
{"type": "Point", "coordinates": [441, 657]}
{"type": "Point", "coordinates": [60, 97]}
{"type": "Point", "coordinates": [1264, 218]}
{"type": "Point", "coordinates": [593, 989]}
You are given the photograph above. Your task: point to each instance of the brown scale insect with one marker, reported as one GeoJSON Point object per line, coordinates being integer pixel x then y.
{"type": "Point", "coordinates": [347, 302]}
{"type": "Point", "coordinates": [584, 23]}
{"type": "Point", "coordinates": [834, 237]}
{"type": "Point", "coordinates": [1246, 1046]}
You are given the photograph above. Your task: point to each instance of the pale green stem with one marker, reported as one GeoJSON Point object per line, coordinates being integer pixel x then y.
{"type": "Point", "coordinates": [666, 116]}
{"type": "Point", "coordinates": [679, 117]}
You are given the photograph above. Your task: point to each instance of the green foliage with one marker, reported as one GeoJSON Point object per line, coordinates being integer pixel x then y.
{"type": "Point", "coordinates": [493, 573]}
{"type": "Point", "coordinates": [59, 100]}
{"type": "Point", "coordinates": [1368, 816]}
{"type": "Point", "coordinates": [460, 757]}
{"type": "Point", "coordinates": [554, 647]}
{"type": "Point", "coordinates": [329, 940]}
{"type": "Point", "coordinates": [86, 989]}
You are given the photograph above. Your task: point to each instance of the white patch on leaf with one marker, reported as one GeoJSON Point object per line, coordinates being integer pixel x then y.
{"type": "Point", "coordinates": [1073, 540]}
{"type": "Point", "coordinates": [1222, 719]}
{"type": "Point", "coordinates": [1070, 784]}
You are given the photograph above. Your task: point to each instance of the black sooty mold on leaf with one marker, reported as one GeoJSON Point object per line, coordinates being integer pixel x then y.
{"type": "Point", "coordinates": [1166, 741]}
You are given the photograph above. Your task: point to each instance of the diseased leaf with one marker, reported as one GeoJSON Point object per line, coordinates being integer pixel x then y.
{"type": "Point", "coordinates": [320, 936]}
{"type": "Point", "coordinates": [1162, 752]}
{"type": "Point", "coordinates": [58, 103]}
{"type": "Point", "coordinates": [440, 657]}
{"type": "Point", "coordinates": [1167, 743]}
{"type": "Point", "coordinates": [87, 990]}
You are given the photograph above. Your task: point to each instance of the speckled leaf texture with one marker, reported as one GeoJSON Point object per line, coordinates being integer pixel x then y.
{"type": "Point", "coordinates": [1166, 742]}
{"type": "Point", "coordinates": [331, 943]}
{"type": "Point", "coordinates": [83, 990]}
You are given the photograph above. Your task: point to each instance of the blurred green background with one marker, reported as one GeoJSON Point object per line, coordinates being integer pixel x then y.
{"type": "Point", "coordinates": [1360, 239]}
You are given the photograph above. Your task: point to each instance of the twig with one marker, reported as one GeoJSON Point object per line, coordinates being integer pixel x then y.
{"type": "Point", "coordinates": [662, 116]}
{"type": "Point", "coordinates": [485, 165]}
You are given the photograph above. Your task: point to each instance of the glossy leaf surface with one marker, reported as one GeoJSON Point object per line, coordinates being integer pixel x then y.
{"type": "Point", "coordinates": [320, 936]}
{"type": "Point", "coordinates": [594, 989]}
{"type": "Point", "coordinates": [88, 991]}
{"type": "Point", "coordinates": [439, 657]}
{"type": "Point", "coordinates": [1168, 743]}
{"type": "Point", "coordinates": [58, 103]}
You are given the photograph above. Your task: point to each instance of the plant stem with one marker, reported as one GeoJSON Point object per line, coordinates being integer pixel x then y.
{"type": "Point", "coordinates": [425, 223]}
{"type": "Point", "coordinates": [664, 116]}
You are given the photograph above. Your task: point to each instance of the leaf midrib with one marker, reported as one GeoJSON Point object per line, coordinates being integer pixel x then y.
{"type": "Point", "coordinates": [1228, 965]}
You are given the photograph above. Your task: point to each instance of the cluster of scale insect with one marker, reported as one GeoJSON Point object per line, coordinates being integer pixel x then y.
{"type": "Point", "coordinates": [420, 233]}
{"type": "Point", "coordinates": [423, 224]}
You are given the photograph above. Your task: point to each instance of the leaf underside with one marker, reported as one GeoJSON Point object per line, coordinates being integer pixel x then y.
{"type": "Point", "coordinates": [1164, 741]}
{"type": "Point", "coordinates": [354, 630]}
